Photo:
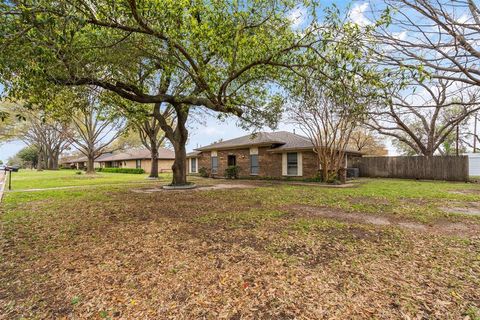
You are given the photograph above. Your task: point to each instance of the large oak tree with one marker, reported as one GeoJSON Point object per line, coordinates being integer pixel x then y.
{"type": "Point", "coordinates": [225, 56]}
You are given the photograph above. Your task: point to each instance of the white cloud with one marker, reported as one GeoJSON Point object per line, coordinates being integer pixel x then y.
{"type": "Point", "coordinates": [298, 16]}
{"type": "Point", "coordinates": [402, 35]}
{"type": "Point", "coordinates": [357, 14]}
{"type": "Point", "coordinates": [463, 18]}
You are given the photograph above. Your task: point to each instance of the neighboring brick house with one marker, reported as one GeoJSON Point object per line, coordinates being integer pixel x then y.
{"type": "Point", "coordinates": [73, 162]}
{"type": "Point", "coordinates": [265, 154]}
{"type": "Point", "coordinates": [132, 158]}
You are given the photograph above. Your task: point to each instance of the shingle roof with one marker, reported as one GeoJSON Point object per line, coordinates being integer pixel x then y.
{"type": "Point", "coordinates": [134, 154]}
{"type": "Point", "coordinates": [131, 154]}
{"type": "Point", "coordinates": [294, 141]}
{"type": "Point", "coordinates": [260, 138]}
{"type": "Point", "coordinates": [83, 158]}
{"type": "Point", "coordinates": [193, 154]}
{"type": "Point", "coordinates": [279, 141]}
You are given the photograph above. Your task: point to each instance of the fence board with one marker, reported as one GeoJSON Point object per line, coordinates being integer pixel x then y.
{"type": "Point", "coordinates": [451, 168]}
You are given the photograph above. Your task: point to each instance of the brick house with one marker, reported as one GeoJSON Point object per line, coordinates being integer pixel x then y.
{"type": "Point", "coordinates": [140, 158]}
{"type": "Point", "coordinates": [265, 154]}
{"type": "Point", "coordinates": [132, 158]}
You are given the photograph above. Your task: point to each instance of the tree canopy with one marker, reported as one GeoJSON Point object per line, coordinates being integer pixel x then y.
{"type": "Point", "coordinates": [221, 55]}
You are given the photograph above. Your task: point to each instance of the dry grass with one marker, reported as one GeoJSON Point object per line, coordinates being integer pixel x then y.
{"type": "Point", "coordinates": [229, 254]}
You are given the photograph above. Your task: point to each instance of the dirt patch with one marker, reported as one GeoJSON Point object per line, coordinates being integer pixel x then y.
{"type": "Point", "coordinates": [413, 226]}
{"type": "Point", "coordinates": [368, 200]}
{"type": "Point", "coordinates": [474, 192]}
{"type": "Point", "coordinates": [310, 211]}
{"type": "Point", "coordinates": [443, 227]}
{"type": "Point", "coordinates": [468, 208]}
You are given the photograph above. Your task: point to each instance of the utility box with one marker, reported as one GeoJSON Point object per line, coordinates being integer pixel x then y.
{"type": "Point", "coordinates": [353, 172]}
{"type": "Point", "coordinates": [473, 164]}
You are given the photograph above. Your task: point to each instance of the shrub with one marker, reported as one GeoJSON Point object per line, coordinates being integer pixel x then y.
{"type": "Point", "coordinates": [232, 172]}
{"type": "Point", "coordinates": [99, 169]}
{"type": "Point", "coordinates": [78, 172]}
{"type": "Point", "coordinates": [124, 170]}
{"type": "Point", "coordinates": [203, 172]}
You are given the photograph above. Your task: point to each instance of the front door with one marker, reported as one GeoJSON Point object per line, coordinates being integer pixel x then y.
{"type": "Point", "coordinates": [232, 160]}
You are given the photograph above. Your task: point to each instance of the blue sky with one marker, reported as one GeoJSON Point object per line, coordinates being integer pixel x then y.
{"type": "Point", "coordinates": [201, 134]}
{"type": "Point", "coordinates": [211, 129]}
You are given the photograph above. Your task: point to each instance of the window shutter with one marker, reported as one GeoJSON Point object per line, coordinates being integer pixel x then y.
{"type": "Point", "coordinates": [300, 164]}
{"type": "Point", "coordinates": [284, 164]}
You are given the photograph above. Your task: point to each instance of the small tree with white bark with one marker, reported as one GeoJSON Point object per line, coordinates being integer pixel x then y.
{"type": "Point", "coordinates": [328, 123]}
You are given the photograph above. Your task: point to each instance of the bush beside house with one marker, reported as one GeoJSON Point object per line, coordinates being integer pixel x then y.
{"type": "Point", "coordinates": [121, 170]}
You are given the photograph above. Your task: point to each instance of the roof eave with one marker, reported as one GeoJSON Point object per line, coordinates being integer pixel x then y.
{"type": "Point", "coordinates": [241, 146]}
{"type": "Point", "coordinates": [282, 150]}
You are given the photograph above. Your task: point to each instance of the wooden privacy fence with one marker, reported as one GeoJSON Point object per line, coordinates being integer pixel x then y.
{"type": "Point", "coordinates": [451, 168]}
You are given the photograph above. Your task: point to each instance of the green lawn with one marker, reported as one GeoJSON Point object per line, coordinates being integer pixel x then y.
{"type": "Point", "coordinates": [419, 200]}
{"type": "Point", "coordinates": [271, 251]}
{"type": "Point", "coordinates": [32, 179]}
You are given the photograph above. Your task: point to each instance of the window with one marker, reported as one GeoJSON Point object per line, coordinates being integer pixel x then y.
{"type": "Point", "coordinates": [214, 164]}
{"type": "Point", "coordinates": [232, 160]}
{"type": "Point", "coordinates": [193, 165]}
{"type": "Point", "coordinates": [292, 164]}
{"type": "Point", "coordinates": [114, 164]}
{"type": "Point", "coordinates": [138, 163]}
{"type": "Point", "coordinates": [254, 166]}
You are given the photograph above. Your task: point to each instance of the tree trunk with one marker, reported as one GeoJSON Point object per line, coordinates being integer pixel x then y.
{"type": "Point", "coordinates": [49, 161]}
{"type": "Point", "coordinates": [154, 156]}
{"type": "Point", "coordinates": [178, 137]}
{"type": "Point", "coordinates": [179, 167]}
{"type": "Point", "coordinates": [325, 168]}
{"type": "Point", "coordinates": [41, 160]}
{"type": "Point", "coordinates": [55, 157]}
{"type": "Point", "coordinates": [91, 164]}
{"type": "Point", "coordinates": [428, 152]}
{"type": "Point", "coordinates": [342, 175]}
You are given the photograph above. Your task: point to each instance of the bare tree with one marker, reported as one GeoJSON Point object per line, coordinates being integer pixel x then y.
{"type": "Point", "coordinates": [366, 141]}
{"type": "Point", "coordinates": [50, 137]}
{"type": "Point", "coordinates": [468, 134]}
{"type": "Point", "coordinates": [328, 124]}
{"type": "Point", "coordinates": [424, 113]}
{"type": "Point", "coordinates": [439, 38]}
{"type": "Point", "coordinates": [95, 129]}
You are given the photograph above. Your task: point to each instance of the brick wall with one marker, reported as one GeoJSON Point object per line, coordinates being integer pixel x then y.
{"type": "Point", "coordinates": [204, 161]}
{"type": "Point", "coordinates": [163, 165]}
{"type": "Point", "coordinates": [310, 164]}
{"type": "Point", "coordinates": [270, 163]}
